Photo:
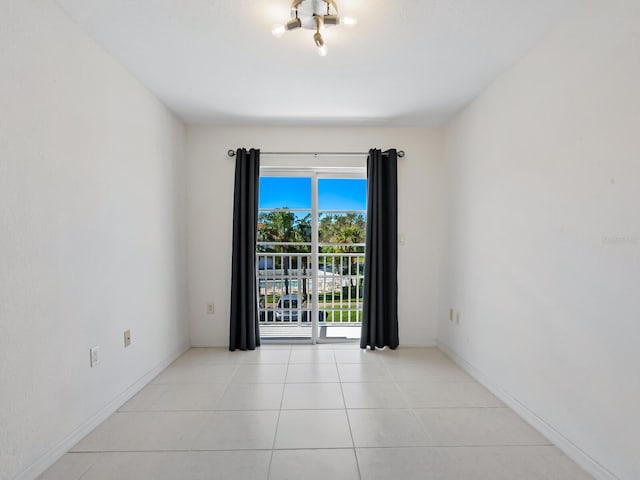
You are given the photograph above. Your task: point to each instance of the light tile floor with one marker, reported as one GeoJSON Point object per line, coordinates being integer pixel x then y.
{"type": "Point", "coordinates": [314, 412]}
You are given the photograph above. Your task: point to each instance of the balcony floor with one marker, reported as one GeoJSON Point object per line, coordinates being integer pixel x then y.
{"type": "Point", "coordinates": [303, 332]}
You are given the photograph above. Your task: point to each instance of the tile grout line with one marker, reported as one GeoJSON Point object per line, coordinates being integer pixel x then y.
{"type": "Point", "coordinates": [423, 428]}
{"type": "Point", "coordinates": [212, 414]}
{"type": "Point", "coordinates": [275, 434]}
{"type": "Point", "coordinates": [372, 447]}
{"type": "Point", "coordinates": [346, 412]}
{"type": "Point", "coordinates": [87, 470]}
{"type": "Point", "coordinates": [387, 363]}
{"type": "Point", "coordinates": [406, 399]}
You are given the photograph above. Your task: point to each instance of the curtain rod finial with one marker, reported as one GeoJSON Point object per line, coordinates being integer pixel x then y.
{"type": "Point", "coordinates": [231, 153]}
{"type": "Point", "coordinates": [401, 153]}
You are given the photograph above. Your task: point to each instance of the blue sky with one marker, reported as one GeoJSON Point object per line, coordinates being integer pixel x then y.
{"type": "Point", "coordinates": [295, 192]}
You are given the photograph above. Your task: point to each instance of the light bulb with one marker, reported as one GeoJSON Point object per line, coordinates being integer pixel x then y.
{"type": "Point", "coordinates": [322, 51]}
{"type": "Point", "coordinates": [348, 21]}
{"type": "Point", "coordinates": [278, 30]}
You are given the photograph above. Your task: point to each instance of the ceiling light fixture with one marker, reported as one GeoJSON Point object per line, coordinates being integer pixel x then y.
{"type": "Point", "coordinates": [313, 15]}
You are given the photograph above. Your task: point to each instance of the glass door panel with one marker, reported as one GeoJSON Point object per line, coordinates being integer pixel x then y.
{"type": "Point", "coordinates": [310, 256]}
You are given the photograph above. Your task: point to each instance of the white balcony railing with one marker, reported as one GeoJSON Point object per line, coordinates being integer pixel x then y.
{"type": "Point", "coordinates": [287, 291]}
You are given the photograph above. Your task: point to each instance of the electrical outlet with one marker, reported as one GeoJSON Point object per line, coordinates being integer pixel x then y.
{"type": "Point", "coordinates": [451, 314]}
{"type": "Point", "coordinates": [211, 309]}
{"type": "Point", "coordinates": [457, 318]}
{"type": "Point", "coordinates": [127, 338]}
{"type": "Point", "coordinates": [93, 356]}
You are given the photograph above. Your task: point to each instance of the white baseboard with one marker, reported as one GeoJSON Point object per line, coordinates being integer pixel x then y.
{"type": "Point", "coordinates": [569, 448]}
{"type": "Point", "coordinates": [63, 446]}
{"type": "Point", "coordinates": [430, 342]}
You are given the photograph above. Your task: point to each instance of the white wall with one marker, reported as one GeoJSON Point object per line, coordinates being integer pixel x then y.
{"type": "Point", "coordinates": [210, 206]}
{"type": "Point", "coordinates": [544, 259]}
{"type": "Point", "coordinates": [92, 234]}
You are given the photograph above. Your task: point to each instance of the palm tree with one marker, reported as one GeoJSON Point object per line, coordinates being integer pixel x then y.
{"type": "Point", "coordinates": [349, 235]}
{"type": "Point", "coordinates": [282, 226]}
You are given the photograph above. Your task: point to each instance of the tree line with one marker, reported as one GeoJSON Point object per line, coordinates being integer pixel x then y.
{"type": "Point", "coordinates": [284, 226]}
{"type": "Point", "coordinates": [342, 231]}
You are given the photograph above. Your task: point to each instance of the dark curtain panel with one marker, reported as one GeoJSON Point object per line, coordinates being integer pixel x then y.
{"type": "Point", "coordinates": [244, 333]}
{"type": "Point", "coordinates": [380, 316]}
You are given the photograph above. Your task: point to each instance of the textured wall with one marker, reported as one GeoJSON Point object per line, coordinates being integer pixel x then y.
{"type": "Point", "coordinates": [544, 248]}
{"type": "Point", "coordinates": [210, 181]}
{"type": "Point", "coordinates": [92, 234]}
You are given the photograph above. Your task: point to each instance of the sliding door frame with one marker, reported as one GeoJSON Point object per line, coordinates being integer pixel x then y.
{"type": "Point", "coordinates": [315, 173]}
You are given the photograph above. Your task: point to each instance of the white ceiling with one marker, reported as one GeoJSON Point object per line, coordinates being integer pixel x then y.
{"type": "Point", "coordinates": [407, 62]}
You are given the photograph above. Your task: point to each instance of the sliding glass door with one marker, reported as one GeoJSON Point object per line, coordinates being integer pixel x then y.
{"type": "Point", "coordinates": [310, 250]}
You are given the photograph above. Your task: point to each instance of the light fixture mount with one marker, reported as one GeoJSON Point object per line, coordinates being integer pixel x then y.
{"type": "Point", "coordinates": [307, 10]}
{"type": "Point", "coordinates": [313, 15]}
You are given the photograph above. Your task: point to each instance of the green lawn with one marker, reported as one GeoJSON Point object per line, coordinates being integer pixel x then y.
{"type": "Point", "coordinates": [347, 316]}
{"type": "Point", "coordinates": [331, 305]}
{"type": "Point", "coordinates": [324, 299]}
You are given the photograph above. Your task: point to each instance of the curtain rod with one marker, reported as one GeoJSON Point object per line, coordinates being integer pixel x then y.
{"type": "Point", "coordinates": [232, 153]}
